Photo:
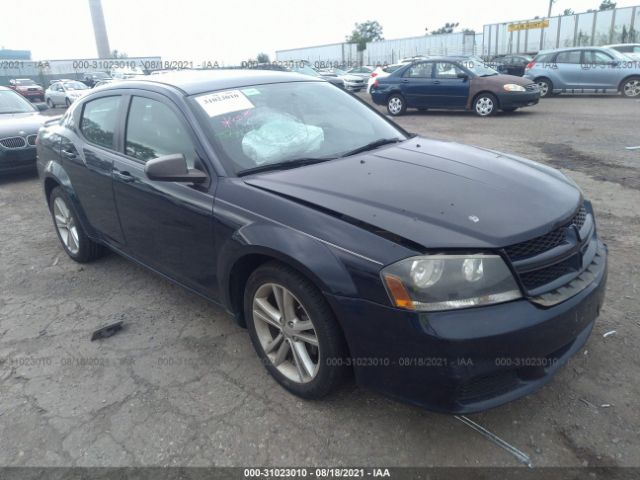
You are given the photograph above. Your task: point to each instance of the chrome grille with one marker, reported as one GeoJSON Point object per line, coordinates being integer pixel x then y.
{"type": "Point", "coordinates": [13, 142]}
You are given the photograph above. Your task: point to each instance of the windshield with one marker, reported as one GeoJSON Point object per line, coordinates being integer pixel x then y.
{"type": "Point", "coordinates": [392, 68]}
{"type": "Point", "coordinates": [616, 54]}
{"type": "Point", "coordinates": [283, 122]}
{"type": "Point", "coordinates": [74, 86]}
{"type": "Point", "coordinates": [477, 66]}
{"type": "Point", "coordinates": [11, 102]}
{"type": "Point", "coordinates": [25, 81]}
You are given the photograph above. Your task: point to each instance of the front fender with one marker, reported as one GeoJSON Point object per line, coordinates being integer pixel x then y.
{"type": "Point", "coordinates": [312, 257]}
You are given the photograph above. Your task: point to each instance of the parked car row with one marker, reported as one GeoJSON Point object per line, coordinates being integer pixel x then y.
{"type": "Point", "coordinates": [469, 83]}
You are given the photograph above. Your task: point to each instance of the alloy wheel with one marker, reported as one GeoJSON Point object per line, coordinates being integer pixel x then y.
{"type": "Point", "coordinates": [632, 88]}
{"type": "Point", "coordinates": [395, 105]}
{"type": "Point", "coordinates": [484, 106]}
{"type": "Point", "coordinates": [66, 225]}
{"type": "Point", "coordinates": [286, 333]}
{"type": "Point", "coordinates": [544, 88]}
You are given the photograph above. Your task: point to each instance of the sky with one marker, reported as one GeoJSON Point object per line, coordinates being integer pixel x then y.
{"type": "Point", "coordinates": [230, 32]}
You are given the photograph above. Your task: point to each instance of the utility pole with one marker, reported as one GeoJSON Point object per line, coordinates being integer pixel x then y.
{"type": "Point", "coordinates": [99, 29]}
{"type": "Point", "coordinates": [551, 2]}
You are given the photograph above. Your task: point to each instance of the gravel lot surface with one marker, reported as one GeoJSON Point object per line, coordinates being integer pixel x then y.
{"type": "Point", "coordinates": [181, 384]}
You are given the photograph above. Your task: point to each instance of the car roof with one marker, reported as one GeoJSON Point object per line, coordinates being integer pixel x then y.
{"type": "Point", "coordinates": [194, 82]}
{"type": "Point", "coordinates": [566, 49]}
{"type": "Point", "coordinates": [622, 45]}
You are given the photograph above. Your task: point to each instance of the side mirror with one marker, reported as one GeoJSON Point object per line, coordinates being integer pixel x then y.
{"type": "Point", "coordinates": [173, 168]}
{"type": "Point", "coordinates": [463, 76]}
{"type": "Point", "coordinates": [41, 106]}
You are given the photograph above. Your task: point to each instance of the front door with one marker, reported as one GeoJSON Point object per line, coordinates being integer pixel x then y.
{"type": "Point", "coordinates": [450, 86]}
{"type": "Point", "coordinates": [167, 225]}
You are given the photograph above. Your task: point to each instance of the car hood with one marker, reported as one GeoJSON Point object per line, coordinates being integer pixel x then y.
{"type": "Point", "coordinates": [499, 80]}
{"type": "Point", "coordinates": [436, 194]}
{"type": "Point", "coordinates": [11, 124]}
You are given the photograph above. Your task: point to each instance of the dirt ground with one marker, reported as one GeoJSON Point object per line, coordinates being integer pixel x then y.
{"type": "Point", "coordinates": [181, 384]}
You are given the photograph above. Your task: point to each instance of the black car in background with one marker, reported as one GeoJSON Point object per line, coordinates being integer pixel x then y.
{"type": "Point", "coordinates": [19, 124]}
{"type": "Point", "coordinates": [511, 64]}
{"type": "Point", "coordinates": [448, 276]}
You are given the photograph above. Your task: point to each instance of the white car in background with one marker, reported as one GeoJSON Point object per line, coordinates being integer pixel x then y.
{"type": "Point", "coordinates": [381, 72]}
{"type": "Point", "coordinates": [631, 50]}
{"type": "Point", "coordinates": [64, 92]}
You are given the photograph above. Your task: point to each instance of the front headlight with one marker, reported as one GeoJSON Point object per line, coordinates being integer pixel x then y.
{"type": "Point", "coordinates": [446, 282]}
{"type": "Point", "coordinates": [512, 87]}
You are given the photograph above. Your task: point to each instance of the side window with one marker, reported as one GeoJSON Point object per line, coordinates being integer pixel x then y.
{"type": "Point", "coordinates": [594, 57]}
{"type": "Point", "coordinates": [447, 70]}
{"type": "Point", "coordinates": [98, 121]}
{"type": "Point", "coordinates": [154, 130]}
{"type": "Point", "coordinates": [419, 70]}
{"type": "Point", "coordinates": [571, 56]}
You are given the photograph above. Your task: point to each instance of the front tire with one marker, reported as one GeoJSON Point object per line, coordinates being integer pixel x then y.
{"type": "Point", "coordinates": [294, 331]}
{"type": "Point", "coordinates": [67, 102]}
{"type": "Point", "coordinates": [396, 105]}
{"type": "Point", "coordinates": [631, 87]}
{"type": "Point", "coordinates": [50, 103]}
{"type": "Point", "coordinates": [72, 236]}
{"type": "Point", "coordinates": [485, 104]}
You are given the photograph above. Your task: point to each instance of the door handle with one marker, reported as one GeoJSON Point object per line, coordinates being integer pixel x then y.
{"type": "Point", "coordinates": [124, 176]}
{"type": "Point", "coordinates": [405, 81]}
{"type": "Point", "coordinates": [436, 82]}
{"type": "Point", "coordinates": [68, 154]}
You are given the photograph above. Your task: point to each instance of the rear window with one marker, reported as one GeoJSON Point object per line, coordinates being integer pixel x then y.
{"type": "Point", "coordinates": [572, 56]}
{"type": "Point", "coordinates": [545, 58]}
{"type": "Point", "coordinates": [391, 68]}
{"type": "Point", "coordinates": [98, 122]}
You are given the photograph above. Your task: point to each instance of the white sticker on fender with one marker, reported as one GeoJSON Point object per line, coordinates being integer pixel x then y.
{"type": "Point", "coordinates": [220, 103]}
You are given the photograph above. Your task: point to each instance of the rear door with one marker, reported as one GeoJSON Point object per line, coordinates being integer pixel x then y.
{"type": "Point", "coordinates": [449, 90]}
{"type": "Point", "coordinates": [167, 225]}
{"type": "Point", "coordinates": [417, 83]}
{"type": "Point", "coordinates": [87, 148]}
{"type": "Point", "coordinates": [570, 72]}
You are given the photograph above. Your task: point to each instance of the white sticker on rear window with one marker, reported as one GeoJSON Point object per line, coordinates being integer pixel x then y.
{"type": "Point", "coordinates": [220, 103]}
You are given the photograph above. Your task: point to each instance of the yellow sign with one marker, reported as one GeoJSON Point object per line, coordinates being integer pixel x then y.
{"type": "Point", "coordinates": [528, 25]}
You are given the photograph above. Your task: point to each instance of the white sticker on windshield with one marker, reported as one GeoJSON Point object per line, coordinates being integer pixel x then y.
{"type": "Point", "coordinates": [220, 103]}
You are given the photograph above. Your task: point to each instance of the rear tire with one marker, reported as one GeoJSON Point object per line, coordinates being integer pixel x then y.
{"type": "Point", "coordinates": [485, 104]}
{"type": "Point", "coordinates": [396, 105]}
{"type": "Point", "coordinates": [294, 331]}
{"type": "Point", "coordinates": [631, 87]}
{"type": "Point", "coordinates": [50, 103]}
{"type": "Point", "coordinates": [72, 236]}
{"type": "Point", "coordinates": [546, 87]}
{"type": "Point", "coordinates": [67, 102]}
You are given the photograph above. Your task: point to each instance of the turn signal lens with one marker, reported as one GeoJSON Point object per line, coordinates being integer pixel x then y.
{"type": "Point", "coordinates": [398, 292]}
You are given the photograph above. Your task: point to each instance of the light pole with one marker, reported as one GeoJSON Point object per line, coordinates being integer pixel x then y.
{"type": "Point", "coordinates": [99, 28]}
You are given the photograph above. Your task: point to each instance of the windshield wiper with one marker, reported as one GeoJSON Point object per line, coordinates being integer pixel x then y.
{"type": "Point", "coordinates": [298, 162]}
{"type": "Point", "coordinates": [372, 146]}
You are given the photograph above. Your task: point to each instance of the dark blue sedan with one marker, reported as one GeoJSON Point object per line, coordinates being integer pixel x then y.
{"type": "Point", "coordinates": [447, 276]}
{"type": "Point", "coordinates": [458, 83]}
